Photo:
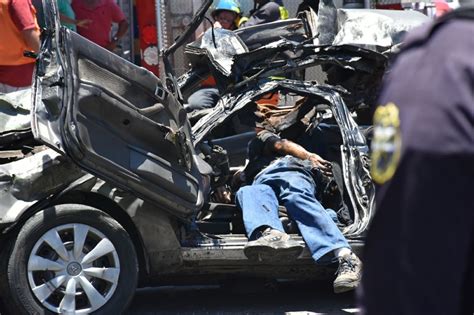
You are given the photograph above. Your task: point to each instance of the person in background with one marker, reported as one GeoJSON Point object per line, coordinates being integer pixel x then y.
{"type": "Point", "coordinates": [265, 11]}
{"type": "Point", "coordinates": [68, 17]}
{"type": "Point", "coordinates": [226, 15]}
{"type": "Point", "coordinates": [19, 32]}
{"type": "Point", "coordinates": [101, 13]}
{"type": "Point", "coordinates": [419, 254]}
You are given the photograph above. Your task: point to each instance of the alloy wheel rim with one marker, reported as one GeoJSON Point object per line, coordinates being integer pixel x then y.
{"type": "Point", "coordinates": [73, 268]}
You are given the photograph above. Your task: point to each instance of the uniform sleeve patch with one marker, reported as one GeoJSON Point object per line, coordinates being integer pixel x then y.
{"type": "Point", "coordinates": [386, 143]}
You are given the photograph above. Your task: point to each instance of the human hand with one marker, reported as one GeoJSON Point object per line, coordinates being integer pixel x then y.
{"type": "Point", "coordinates": [111, 46]}
{"type": "Point", "coordinates": [83, 23]}
{"type": "Point", "coordinates": [321, 164]}
{"type": "Point", "coordinates": [217, 24]}
{"type": "Point", "coordinates": [222, 194]}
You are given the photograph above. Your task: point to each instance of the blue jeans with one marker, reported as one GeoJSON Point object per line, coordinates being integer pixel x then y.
{"type": "Point", "coordinates": [288, 181]}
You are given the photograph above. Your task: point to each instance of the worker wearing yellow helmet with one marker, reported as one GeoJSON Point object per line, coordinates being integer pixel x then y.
{"type": "Point", "coordinates": [226, 15]}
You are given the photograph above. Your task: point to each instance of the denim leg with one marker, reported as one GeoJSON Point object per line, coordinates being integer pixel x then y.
{"type": "Point", "coordinates": [296, 191]}
{"type": "Point", "coordinates": [259, 206]}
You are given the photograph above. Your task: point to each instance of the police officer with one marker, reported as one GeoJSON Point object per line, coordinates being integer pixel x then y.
{"type": "Point", "coordinates": [419, 256]}
{"type": "Point", "coordinates": [265, 11]}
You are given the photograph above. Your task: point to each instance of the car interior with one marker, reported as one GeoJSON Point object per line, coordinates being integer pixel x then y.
{"type": "Point", "coordinates": [304, 119]}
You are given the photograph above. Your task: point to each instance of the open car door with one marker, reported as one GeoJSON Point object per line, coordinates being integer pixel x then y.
{"type": "Point", "coordinates": [115, 120]}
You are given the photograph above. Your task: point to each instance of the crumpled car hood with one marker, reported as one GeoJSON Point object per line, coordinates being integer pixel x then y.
{"type": "Point", "coordinates": [24, 182]}
{"type": "Point", "coordinates": [16, 139]}
{"type": "Point", "coordinates": [15, 111]}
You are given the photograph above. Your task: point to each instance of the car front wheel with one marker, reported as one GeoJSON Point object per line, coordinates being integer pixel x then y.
{"type": "Point", "coordinates": [71, 259]}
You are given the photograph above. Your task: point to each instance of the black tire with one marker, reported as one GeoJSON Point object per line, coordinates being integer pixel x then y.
{"type": "Point", "coordinates": [17, 294]}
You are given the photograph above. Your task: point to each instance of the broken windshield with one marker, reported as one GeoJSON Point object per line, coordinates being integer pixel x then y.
{"type": "Point", "coordinates": [221, 46]}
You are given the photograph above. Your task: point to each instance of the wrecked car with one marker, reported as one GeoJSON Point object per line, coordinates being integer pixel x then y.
{"type": "Point", "coordinates": [111, 187]}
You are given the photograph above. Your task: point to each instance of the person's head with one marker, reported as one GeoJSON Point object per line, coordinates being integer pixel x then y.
{"type": "Point", "coordinates": [226, 12]}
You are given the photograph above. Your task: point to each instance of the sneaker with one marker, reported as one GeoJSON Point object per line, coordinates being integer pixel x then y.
{"type": "Point", "coordinates": [195, 238]}
{"type": "Point", "coordinates": [273, 245]}
{"type": "Point", "coordinates": [348, 273]}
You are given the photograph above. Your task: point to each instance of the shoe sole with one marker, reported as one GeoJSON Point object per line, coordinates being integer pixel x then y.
{"type": "Point", "coordinates": [266, 253]}
{"type": "Point", "coordinates": [342, 287]}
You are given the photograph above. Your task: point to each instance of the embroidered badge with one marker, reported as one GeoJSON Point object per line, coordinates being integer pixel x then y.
{"type": "Point", "coordinates": [386, 144]}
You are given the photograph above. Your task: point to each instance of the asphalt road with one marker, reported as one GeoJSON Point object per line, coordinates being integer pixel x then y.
{"type": "Point", "coordinates": [244, 298]}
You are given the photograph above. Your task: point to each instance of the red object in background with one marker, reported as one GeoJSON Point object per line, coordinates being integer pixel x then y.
{"type": "Point", "coordinates": [392, 6]}
{"type": "Point", "coordinates": [441, 7]}
{"type": "Point", "coordinates": [145, 11]}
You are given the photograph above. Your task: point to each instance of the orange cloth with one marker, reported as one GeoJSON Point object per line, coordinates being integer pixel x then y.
{"type": "Point", "coordinates": [269, 100]}
{"type": "Point", "coordinates": [209, 82]}
{"type": "Point", "coordinates": [12, 44]}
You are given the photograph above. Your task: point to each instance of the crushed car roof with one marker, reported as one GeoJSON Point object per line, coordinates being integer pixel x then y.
{"type": "Point", "coordinates": [372, 29]}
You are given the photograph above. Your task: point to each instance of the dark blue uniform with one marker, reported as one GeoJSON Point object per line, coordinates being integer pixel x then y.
{"type": "Point", "coordinates": [419, 256]}
{"type": "Point", "coordinates": [267, 11]}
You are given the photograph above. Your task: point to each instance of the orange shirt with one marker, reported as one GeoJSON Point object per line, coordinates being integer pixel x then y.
{"type": "Point", "coordinates": [16, 16]}
{"type": "Point", "coordinates": [209, 82]}
{"type": "Point", "coordinates": [12, 44]}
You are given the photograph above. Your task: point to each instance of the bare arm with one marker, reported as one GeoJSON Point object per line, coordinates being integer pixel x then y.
{"type": "Point", "coordinates": [32, 39]}
{"type": "Point", "coordinates": [68, 20]}
{"type": "Point", "coordinates": [122, 29]}
{"type": "Point", "coordinates": [285, 147]}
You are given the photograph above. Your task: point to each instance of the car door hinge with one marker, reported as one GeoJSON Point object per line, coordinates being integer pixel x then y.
{"type": "Point", "coordinates": [178, 138]}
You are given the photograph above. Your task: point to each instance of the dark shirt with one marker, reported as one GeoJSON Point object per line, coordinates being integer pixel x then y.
{"type": "Point", "coordinates": [260, 153]}
{"type": "Point", "coordinates": [436, 115]}
{"type": "Point", "coordinates": [269, 12]}
{"type": "Point", "coordinates": [308, 4]}
{"type": "Point", "coordinates": [423, 159]}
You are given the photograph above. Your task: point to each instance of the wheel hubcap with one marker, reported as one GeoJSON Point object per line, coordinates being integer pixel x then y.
{"type": "Point", "coordinates": [73, 268]}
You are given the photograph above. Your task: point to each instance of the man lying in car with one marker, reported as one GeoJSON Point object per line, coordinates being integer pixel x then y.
{"type": "Point", "coordinates": [282, 172]}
